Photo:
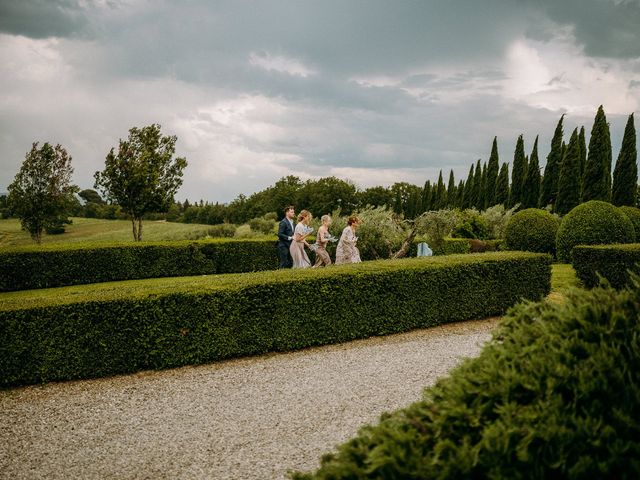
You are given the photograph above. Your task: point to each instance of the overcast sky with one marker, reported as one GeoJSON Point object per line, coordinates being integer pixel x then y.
{"type": "Point", "coordinates": [371, 91]}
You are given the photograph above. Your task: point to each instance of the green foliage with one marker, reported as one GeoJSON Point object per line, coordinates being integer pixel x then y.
{"type": "Point", "coordinates": [549, 187]}
{"type": "Point", "coordinates": [379, 234]}
{"type": "Point", "coordinates": [451, 191]}
{"type": "Point", "coordinates": [224, 230]}
{"type": "Point", "coordinates": [477, 193]}
{"type": "Point", "coordinates": [470, 224]}
{"type": "Point", "coordinates": [97, 330]}
{"type": "Point", "coordinates": [597, 171]}
{"type": "Point", "coordinates": [633, 213]}
{"type": "Point", "coordinates": [583, 154]}
{"type": "Point", "coordinates": [555, 394]}
{"type": "Point", "coordinates": [143, 177]}
{"type": "Point", "coordinates": [492, 175]}
{"type": "Point", "coordinates": [41, 193]}
{"type": "Point", "coordinates": [436, 225]}
{"type": "Point", "coordinates": [502, 186]}
{"type": "Point", "coordinates": [612, 262]}
{"type": "Point", "coordinates": [496, 218]}
{"type": "Point", "coordinates": [532, 230]}
{"type": "Point", "coordinates": [531, 182]}
{"type": "Point", "coordinates": [467, 194]}
{"type": "Point", "coordinates": [58, 265]}
{"type": "Point", "coordinates": [518, 173]}
{"type": "Point", "coordinates": [262, 225]}
{"type": "Point", "coordinates": [592, 223]}
{"type": "Point", "coordinates": [569, 179]}
{"type": "Point", "coordinates": [625, 174]}
{"type": "Point", "coordinates": [91, 196]}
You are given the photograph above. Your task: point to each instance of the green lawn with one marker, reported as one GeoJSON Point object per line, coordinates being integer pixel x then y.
{"type": "Point", "coordinates": [98, 230]}
{"type": "Point", "coordinates": [563, 278]}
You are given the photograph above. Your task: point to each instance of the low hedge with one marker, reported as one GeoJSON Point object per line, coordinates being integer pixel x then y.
{"type": "Point", "coordinates": [104, 329]}
{"type": "Point", "coordinates": [59, 265]}
{"type": "Point", "coordinates": [613, 262]}
{"type": "Point", "coordinates": [555, 394]}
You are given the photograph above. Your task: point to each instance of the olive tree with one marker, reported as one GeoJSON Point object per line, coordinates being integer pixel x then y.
{"type": "Point", "coordinates": [143, 176]}
{"type": "Point", "coordinates": [41, 193]}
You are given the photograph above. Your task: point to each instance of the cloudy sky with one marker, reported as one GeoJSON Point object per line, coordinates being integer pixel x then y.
{"type": "Point", "coordinates": [371, 91]}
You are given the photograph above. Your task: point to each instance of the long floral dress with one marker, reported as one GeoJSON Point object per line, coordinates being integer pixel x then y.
{"type": "Point", "coordinates": [298, 254]}
{"type": "Point", "coordinates": [347, 252]}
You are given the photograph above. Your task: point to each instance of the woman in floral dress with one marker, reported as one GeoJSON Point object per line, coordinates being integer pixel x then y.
{"type": "Point", "coordinates": [302, 230]}
{"type": "Point", "coordinates": [347, 252]}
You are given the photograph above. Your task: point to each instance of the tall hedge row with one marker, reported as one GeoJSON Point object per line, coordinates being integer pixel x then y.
{"type": "Point", "coordinates": [27, 268]}
{"type": "Point", "coordinates": [105, 329]}
{"type": "Point", "coordinates": [555, 394]}
{"type": "Point", "coordinates": [53, 266]}
{"type": "Point", "coordinates": [613, 262]}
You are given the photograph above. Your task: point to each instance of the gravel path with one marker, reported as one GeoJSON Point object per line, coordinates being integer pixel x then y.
{"type": "Point", "coordinates": [249, 418]}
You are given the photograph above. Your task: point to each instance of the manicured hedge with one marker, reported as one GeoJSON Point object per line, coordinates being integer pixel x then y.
{"type": "Point", "coordinates": [104, 329]}
{"type": "Point", "coordinates": [632, 214]}
{"type": "Point", "coordinates": [450, 246]}
{"type": "Point", "coordinates": [613, 262]}
{"type": "Point", "coordinates": [555, 394]}
{"type": "Point", "coordinates": [53, 266]}
{"type": "Point", "coordinates": [592, 223]}
{"type": "Point", "coordinates": [532, 230]}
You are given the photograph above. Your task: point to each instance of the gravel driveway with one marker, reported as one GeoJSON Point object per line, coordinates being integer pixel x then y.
{"type": "Point", "coordinates": [249, 418]}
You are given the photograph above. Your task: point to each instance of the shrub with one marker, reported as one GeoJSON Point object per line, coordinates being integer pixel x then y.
{"type": "Point", "coordinates": [532, 230]}
{"type": "Point", "coordinates": [261, 225]}
{"type": "Point", "coordinates": [470, 224]}
{"type": "Point", "coordinates": [449, 246]}
{"type": "Point", "coordinates": [613, 262]}
{"type": "Point", "coordinates": [437, 225]}
{"type": "Point", "coordinates": [379, 234]}
{"type": "Point", "coordinates": [555, 394]}
{"type": "Point", "coordinates": [222, 230]}
{"type": "Point", "coordinates": [497, 218]}
{"type": "Point", "coordinates": [592, 223]}
{"type": "Point", "coordinates": [58, 265]}
{"type": "Point", "coordinates": [96, 330]}
{"type": "Point", "coordinates": [633, 214]}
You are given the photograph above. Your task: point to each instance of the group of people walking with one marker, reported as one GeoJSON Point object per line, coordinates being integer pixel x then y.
{"type": "Point", "coordinates": [292, 241]}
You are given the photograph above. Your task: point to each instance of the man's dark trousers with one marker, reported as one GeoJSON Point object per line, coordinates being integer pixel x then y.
{"type": "Point", "coordinates": [285, 231]}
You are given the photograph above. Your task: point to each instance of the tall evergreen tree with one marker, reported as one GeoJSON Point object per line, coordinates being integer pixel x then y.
{"type": "Point", "coordinates": [483, 189]}
{"type": "Point", "coordinates": [518, 172]}
{"type": "Point", "coordinates": [441, 194]}
{"type": "Point", "coordinates": [451, 191]}
{"type": "Point", "coordinates": [583, 154]}
{"type": "Point", "coordinates": [398, 207]}
{"type": "Point", "coordinates": [460, 189]}
{"type": "Point", "coordinates": [477, 187]}
{"type": "Point", "coordinates": [549, 187]}
{"type": "Point", "coordinates": [493, 168]}
{"type": "Point", "coordinates": [426, 196]}
{"type": "Point", "coordinates": [569, 179]}
{"type": "Point", "coordinates": [467, 195]}
{"type": "Point", "coordinates": [625, 175]}
{"type": "Point", "coordinates": [502, 186]}
{"type": "Point", "coordinates": [596, 184]}
{"type": "Point", "coordinates": [531, 184]}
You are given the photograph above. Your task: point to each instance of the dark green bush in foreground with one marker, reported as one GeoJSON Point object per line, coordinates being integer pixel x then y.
{"type": "Point", "coordinates": [633, 214]}
{"type": "Point", "coordinates": [97, 330]}
{"type": "Point", "coordinates": [532, 230]}
{"type": "Point", "coordinates": [556, 394]}
{"type": "Point", "coordinates": [592, 223]}
{"type": "Point", "coordinates": [53, 266]}
{"type": "Point", "coordinates": [613, 262]}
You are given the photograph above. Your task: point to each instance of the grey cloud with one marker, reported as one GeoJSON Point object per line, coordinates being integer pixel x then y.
{"type": "Point", "coordinates": [42, 18]}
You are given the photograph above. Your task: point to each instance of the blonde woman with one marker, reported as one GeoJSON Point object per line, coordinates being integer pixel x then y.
{"type": "Point", "coordinates": [347, 252]}
{"type": "Point", "coordinates": [301, 232]}
{"type": "Point", "coordinates": [323, 238]}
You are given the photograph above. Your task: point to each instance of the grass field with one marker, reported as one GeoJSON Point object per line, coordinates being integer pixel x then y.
{"type": "Point", "coordinates": [563, 278]}
{"type": "Point", "coordinates": [98, 230]}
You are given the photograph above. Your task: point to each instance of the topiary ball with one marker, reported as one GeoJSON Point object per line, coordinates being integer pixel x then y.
{"type": "Point", "coordinates": [532, 230]}
{"type": "Point", "coordinates": [634, 215]}
{"type": "Point", "coordinates": [592, 223]}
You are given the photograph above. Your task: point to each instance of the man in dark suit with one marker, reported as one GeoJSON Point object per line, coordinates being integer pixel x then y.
{"type": "Point", "coordinates": [285, 235]}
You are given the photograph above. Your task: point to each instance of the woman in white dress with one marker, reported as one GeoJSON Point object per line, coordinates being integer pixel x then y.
{"type": "Point", "coordinates": [347, 252]}
{"type": "Point", "coordinates": [301, 232]}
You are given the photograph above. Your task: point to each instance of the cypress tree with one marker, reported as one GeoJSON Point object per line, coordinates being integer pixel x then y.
{"type": "Point", "coordinates": [502, 186]}
{"type": "Point", "coordinates": [477, 187]}
{"type": "Point", "coordinates": [596, 184]}
{"type": "Point", "coordinates": [549, 187]}
{"type": "Point", "coordinates": [492, 175]}
{"type": "Point", "coordinates": [483, 190]}
{"type": "Point", "coordinates": [397, 204]}
{"type": "Point", "coordinates": [426, 196]}
{"type": "Point", "coordinates": [531, 184]}
{"type": "Point", "coordinates": [451, 191]}
{"type": "Point", "coordinates": [518, 172]}
{"type": "Point", "coordinates": [583, 153]}
{"type": "Point", "coordinates": [441, 194]}
{"type": "Point", "coordinates": [467, 195]}
{"type": "Point", "coordinates": [625, 175]}
{"type": "Point", "coordinates": [569, 179]}
{"type": "Point", "coordinates": [460, 194]}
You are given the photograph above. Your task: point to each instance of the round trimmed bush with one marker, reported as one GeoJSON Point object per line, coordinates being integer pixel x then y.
{"type": "Point", "coordinates": [532, 230]}
{"type": "Point", "coordinates": [592, 223]}
{"type": "Point", "coordinates": [634, 215]}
